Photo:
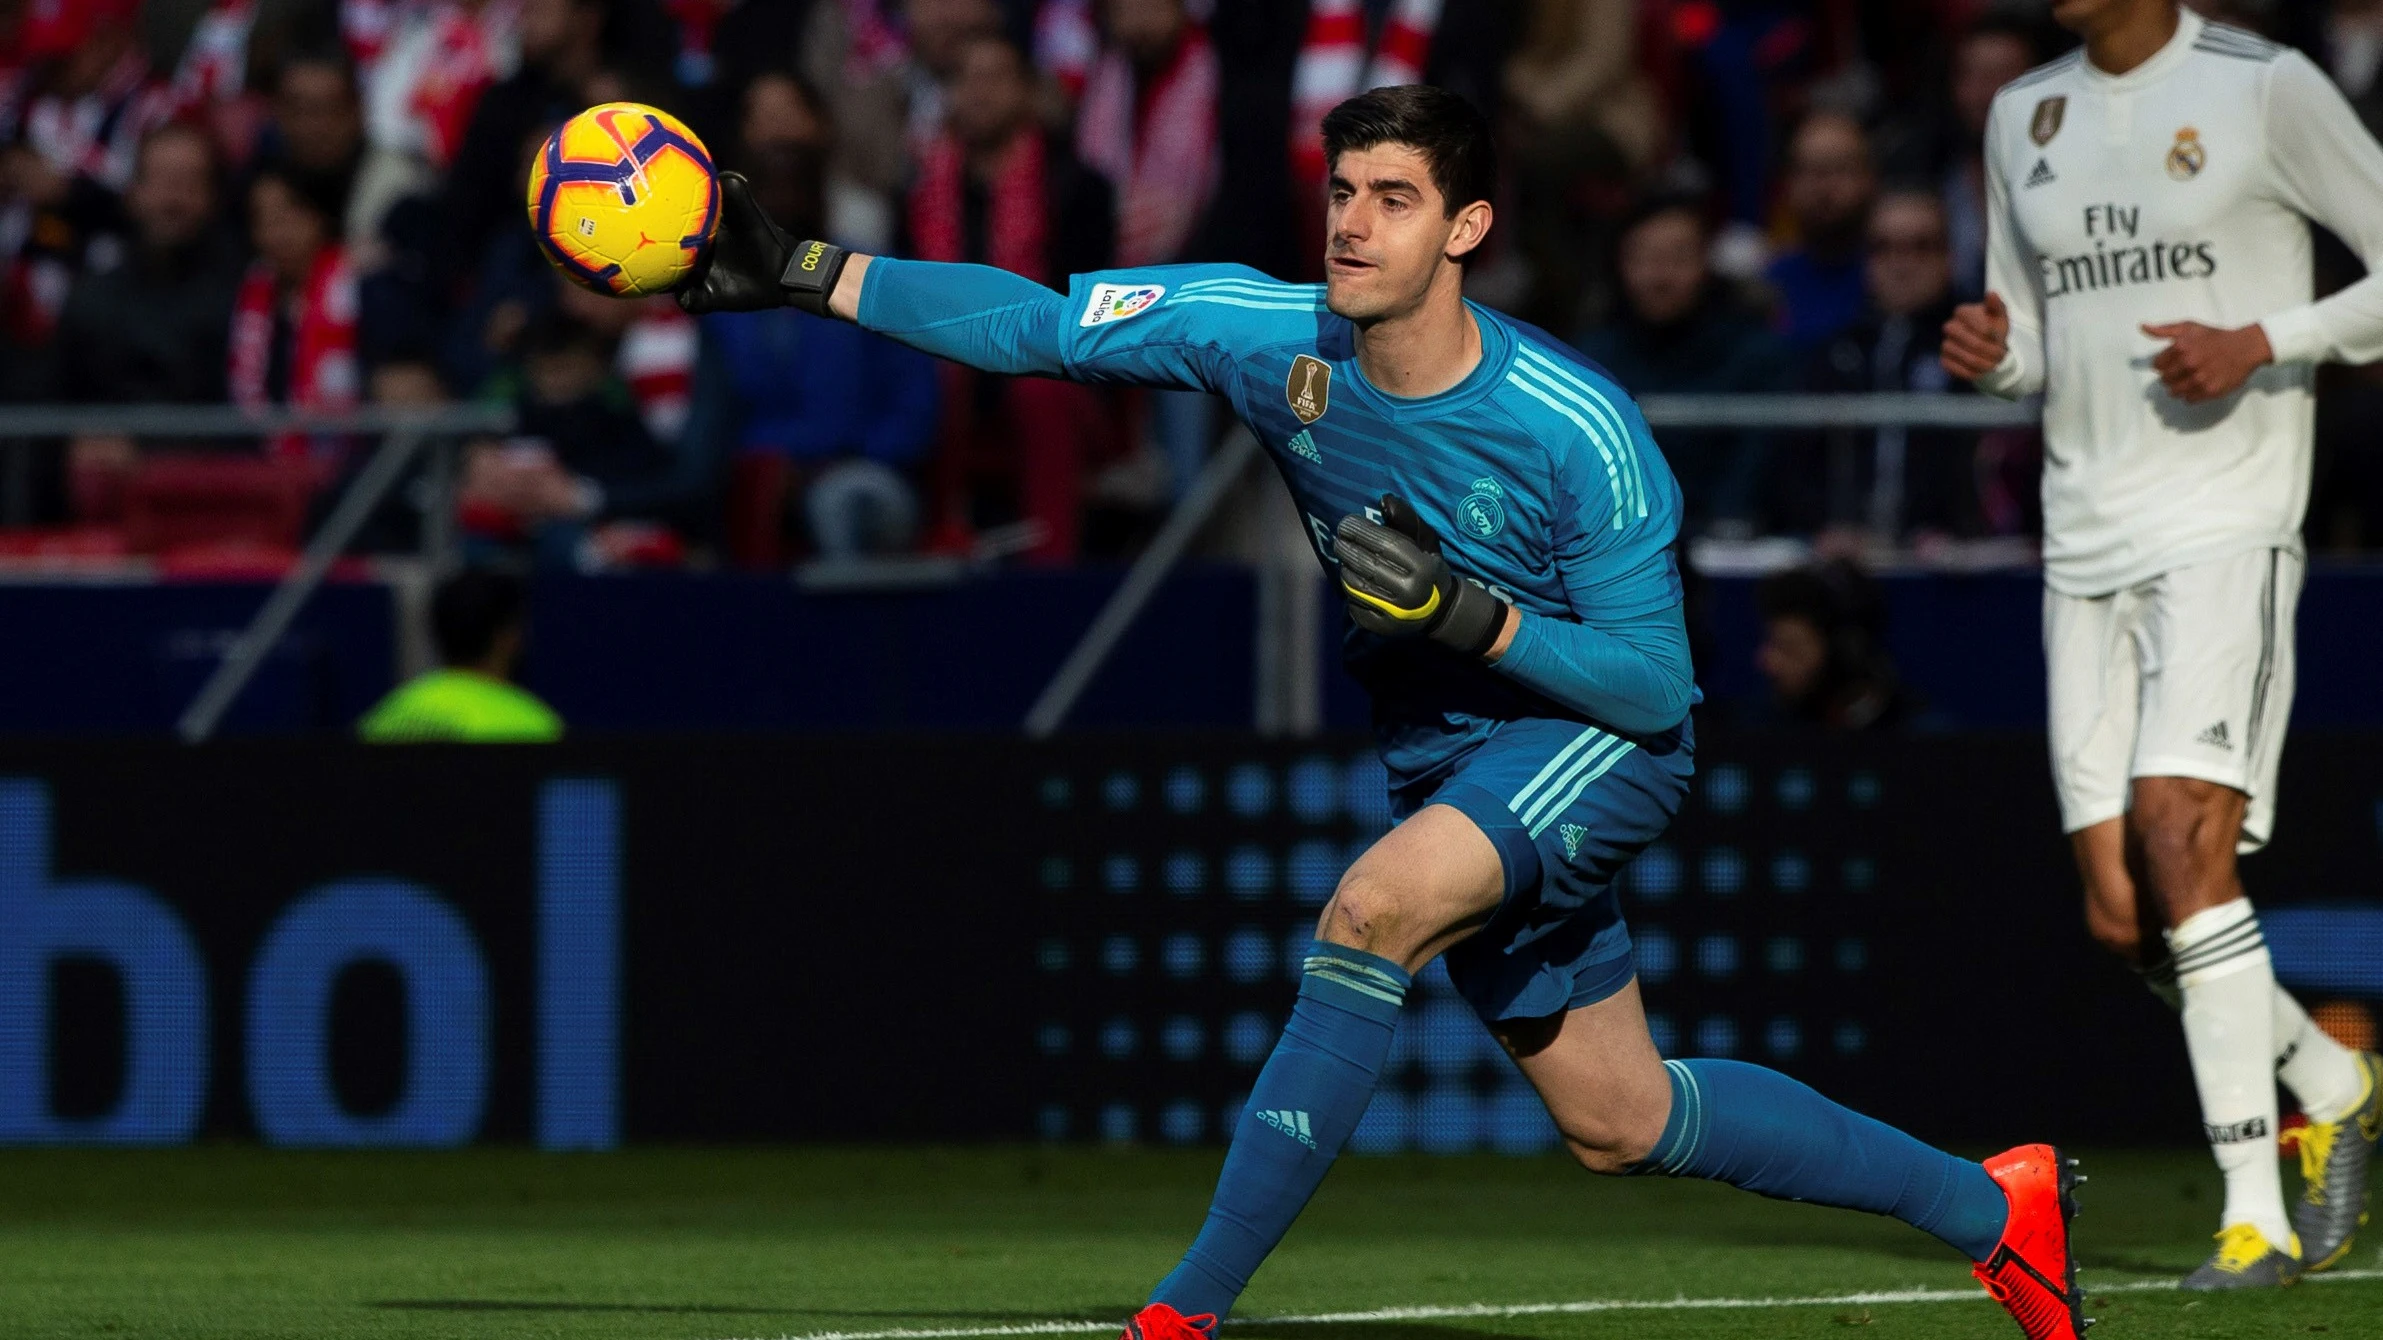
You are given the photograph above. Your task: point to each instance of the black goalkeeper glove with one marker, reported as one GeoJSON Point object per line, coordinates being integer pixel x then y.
{"type": "Point", "coordinates": [1397, 584]}
{"type": "Point", "coordinates": [752, 265]}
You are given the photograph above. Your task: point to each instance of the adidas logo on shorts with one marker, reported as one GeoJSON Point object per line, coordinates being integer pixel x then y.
{"type": "Point", "coordinates": [2216, 738]}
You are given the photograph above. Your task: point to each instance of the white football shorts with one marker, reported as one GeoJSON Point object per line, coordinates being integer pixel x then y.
{"type": "Point", "coordinates": [2188, 674]}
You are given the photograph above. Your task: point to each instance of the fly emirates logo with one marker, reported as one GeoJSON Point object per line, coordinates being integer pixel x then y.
{"type": "Point", "coordinates": [2120, 257]}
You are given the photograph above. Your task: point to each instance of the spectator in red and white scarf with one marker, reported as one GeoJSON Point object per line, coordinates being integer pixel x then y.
{"type": "Point", "coordinates": [96, 98]}
{"type": "Point", "coordinates": [881, 65]}
{"type": "Point", "coordinates": [1335, 64]}
{"type": "Point", "coordinates": [421, 84]}
{"type": "Point", "coordinates": [1148, 123]}
{"type": "Point", "coordinates": [562, 70]}
{"type": "Point", "coordinates": [294, 327]}
{"type": "Point", "coordinates": [993, 189]}
{"type": "Point", "coordinates": [210, 82]}
{"type": "Point", "coordinates": [74, 153]}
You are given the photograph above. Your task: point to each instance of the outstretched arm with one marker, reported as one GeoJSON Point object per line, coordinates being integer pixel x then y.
{"type": "Point", "coordinates": [976, 315]}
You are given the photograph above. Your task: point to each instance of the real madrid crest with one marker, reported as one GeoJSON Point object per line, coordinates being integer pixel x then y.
{"type": "Point", "coordinates": [1483, 511]}
{"type": "Point", "coordinates": [2046, 122]}
{"type": "Point", "coordinates": [1309, 388]}
{"type": "Point", "coordinates": [2186, 157]}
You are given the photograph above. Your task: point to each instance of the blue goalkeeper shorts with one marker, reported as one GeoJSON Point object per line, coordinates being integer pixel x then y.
{"type": "Point", "coordinates": [1567, 805]}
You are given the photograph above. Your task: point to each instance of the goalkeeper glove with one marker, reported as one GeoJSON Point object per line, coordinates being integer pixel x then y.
{"type": "Point", "coordinates": [752, 265]}
{"type": "Point", "coordinates": [1398, 585]}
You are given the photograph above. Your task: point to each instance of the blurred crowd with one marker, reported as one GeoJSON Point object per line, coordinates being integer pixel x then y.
{"type": "Point", "coordinates": [319, 204]}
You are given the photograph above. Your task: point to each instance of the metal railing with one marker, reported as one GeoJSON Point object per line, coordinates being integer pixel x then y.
{"type": "Point", "coordinates": [220, 421]}
{"type": "Point", "coordinates": [404, 433]}
{"type": "Point", "coordinates": [1861, 409]}
{"type": "Point", "coordinates": [1786, 413]}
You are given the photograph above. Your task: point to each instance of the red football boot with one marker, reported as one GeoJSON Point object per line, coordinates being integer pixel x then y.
{"type": "Point", "coordinates": [2032, 1272]}
{"type": "Point", "coordinates": [1161, 1322]}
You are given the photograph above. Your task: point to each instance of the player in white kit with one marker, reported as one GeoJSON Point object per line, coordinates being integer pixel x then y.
{"type": "Point", "coordinates": [2149, 272]}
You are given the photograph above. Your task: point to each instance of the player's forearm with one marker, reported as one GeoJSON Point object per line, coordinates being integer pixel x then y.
{"type": "Point", "coordinates": [845, 301]}
{"type": "Point", "coordinates": [2346, 327]}
{"type": "Point", "coordinates": [974, 314]}
{"type": "Point", "coordinates": [1639, 684]}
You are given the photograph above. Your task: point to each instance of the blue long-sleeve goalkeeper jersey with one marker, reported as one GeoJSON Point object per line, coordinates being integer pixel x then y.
{"type": "Point", "coordinates": [1537, 471]}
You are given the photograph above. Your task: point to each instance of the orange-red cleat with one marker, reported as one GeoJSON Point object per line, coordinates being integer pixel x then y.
{"type": "Point", "coordinates": [2032, 1272]}
{"type": "Point", "coordinates": [1161, 1322]}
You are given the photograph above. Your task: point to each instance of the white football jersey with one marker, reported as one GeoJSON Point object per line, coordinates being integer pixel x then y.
{"type": "Point", "coordinates": [2178, 191]}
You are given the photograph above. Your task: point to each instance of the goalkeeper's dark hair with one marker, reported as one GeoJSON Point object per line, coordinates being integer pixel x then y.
{"type": "Point", "coordinates": [1453, 136]}
{"type": "Point", "coordinates": [470, 610]}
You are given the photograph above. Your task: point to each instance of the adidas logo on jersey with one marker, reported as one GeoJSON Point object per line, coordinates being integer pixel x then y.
{"type": "Point", "coordinates": [2042, 176]}
{"type": "Point", "coordinates": [2215, 737]}
{"type": "Point", "coordinates": [1303, 445]}
{"type": "Point", "coordinates": [1572, 834]}
{"type": "Point", "coordinates": [1293, 1124]}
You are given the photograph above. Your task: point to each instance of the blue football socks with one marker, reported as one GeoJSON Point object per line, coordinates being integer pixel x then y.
{"type": "Point", "coordinates": [1307, 1100]}
{"type": "Point", "coordinates": [1761, 1131]}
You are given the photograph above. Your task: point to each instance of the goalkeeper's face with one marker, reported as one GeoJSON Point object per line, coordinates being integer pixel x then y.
{"type": "Point", "coordinates": [1391, 243]}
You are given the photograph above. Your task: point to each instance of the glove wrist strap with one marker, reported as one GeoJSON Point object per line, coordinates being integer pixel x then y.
{"type": "Point", "coordinates": [811, 274]}
{"type": "Point", "coordinates": [1472, 622]}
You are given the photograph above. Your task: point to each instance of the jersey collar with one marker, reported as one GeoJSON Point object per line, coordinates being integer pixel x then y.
{"type": "Point", "coordinates": [2180, 46]}
{"type": "Point", "coordinates": [1497, 350]}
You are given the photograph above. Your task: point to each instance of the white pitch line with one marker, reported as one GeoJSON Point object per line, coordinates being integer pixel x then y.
{"type": "Point", "coordinates": [1452, 1312]}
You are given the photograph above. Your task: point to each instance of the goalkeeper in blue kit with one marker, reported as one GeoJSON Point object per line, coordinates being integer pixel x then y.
{"type": "Point", "coordinates": [1501, 525]}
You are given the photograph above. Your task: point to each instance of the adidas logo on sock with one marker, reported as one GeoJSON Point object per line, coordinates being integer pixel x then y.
{"type": "Point", "coordinates": [2042, 176]}
{"type": "Point", "coordinates": [2215, 736]}
{"type": "Point", "coordinates": [1293, 1124]}
{"type": "Point", "coordinates": [1572, 834]}
{"type": "Point", "coordinates": [1303, 444]}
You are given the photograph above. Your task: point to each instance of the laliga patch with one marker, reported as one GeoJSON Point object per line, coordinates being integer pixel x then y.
{"type": "Point", "coordinates": [1116, 302]}
{"type": "Point", "coordinates": [1309, 388]}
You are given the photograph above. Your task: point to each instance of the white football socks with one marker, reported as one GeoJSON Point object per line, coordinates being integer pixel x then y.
{"type": "Point", "coordinates": [2229, 1031]}
{"type": "Point", "coordinates": [2322, 1073]}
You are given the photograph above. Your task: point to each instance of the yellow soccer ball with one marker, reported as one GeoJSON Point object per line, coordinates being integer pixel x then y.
{"type": "Point", "coordinates": [623, 198]}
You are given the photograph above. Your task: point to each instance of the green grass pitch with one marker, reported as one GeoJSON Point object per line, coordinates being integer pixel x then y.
{"type": "Point", "coordinates": [231, 1242]}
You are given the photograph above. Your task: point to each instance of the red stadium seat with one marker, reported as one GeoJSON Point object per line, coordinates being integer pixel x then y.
{"type": "Point", "coordinates": [213, 502]}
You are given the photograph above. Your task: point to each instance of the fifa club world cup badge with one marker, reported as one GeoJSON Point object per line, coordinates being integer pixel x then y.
{"type": "Point", "coordinates": [2046, 122]}
{"type": "Point", "coordinates": [2186, 157]}
{"type": "Point", "coordinates": [1483, 511]}
{"type": "Point", "coordinates": [1309, 388]}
